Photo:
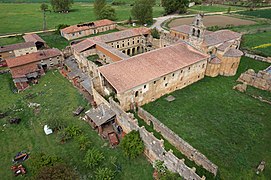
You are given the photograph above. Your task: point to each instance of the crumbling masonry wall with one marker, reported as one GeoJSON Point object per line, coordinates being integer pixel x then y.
{"type": "Point", "coordinates": [190, 152]}
{"type": "Point", "coordinates": [260, 80]}
{"type": "Point", "coordinates": [154, 148]}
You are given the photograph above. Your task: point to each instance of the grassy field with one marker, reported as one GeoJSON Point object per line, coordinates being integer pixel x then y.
{"type": "Point", "coordinates": [230, 128]}
{"type": "Point", "coordinates": [259, 42]}
{"type": "Point", "coordinates": [214, 8]}
{"type": "Point", "coordinates": [51, 38]}
{"type": "Point", "coordinates": [263, 13]}
{"type": "Point", "coordinates": [58, 98]}
{"type": "Point", "coordinates": [19, 18]}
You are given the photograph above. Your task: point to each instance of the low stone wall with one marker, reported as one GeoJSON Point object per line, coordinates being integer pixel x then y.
{"type": "Point", "coordinates": [154, 148]}
{"type": "Point", "coordinates": [258, 58]}
{"type": "Point", "coordinates": [98, 98]}
{"type": "Point", "coordinates": [4, 71]}
{"type": "Point", "coordinates": [190, 152]}
{"type": "Point", "coordinates": [260, 80]}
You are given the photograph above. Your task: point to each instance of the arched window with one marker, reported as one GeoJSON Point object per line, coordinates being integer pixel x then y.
{"type": "Point", "coordinates": [193, 33]}
{"type": "Point", "coordinates": [198, 33]}
{"type": "Point", "coordinates": [136, 93]}
{"type": "Point", "coordinates": [197, 22]}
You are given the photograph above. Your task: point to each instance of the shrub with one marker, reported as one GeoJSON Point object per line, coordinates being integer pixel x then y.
{"type": "Point", "coordinates": [59, 171]}
{"type": "Point", "coordinates": [132, 145]}
{"type": "Point", "coordinates": [93, 157]}
{"type": "Point", "coordinates": [104, 174]}
{"type": "Point", "coordinates": [83, 142]}
{"type": "Point", "coordinates": [40, 160]}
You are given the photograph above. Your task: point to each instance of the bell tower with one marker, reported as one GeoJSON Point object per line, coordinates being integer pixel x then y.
{"type": "Point", "coordinates": [196, 35]}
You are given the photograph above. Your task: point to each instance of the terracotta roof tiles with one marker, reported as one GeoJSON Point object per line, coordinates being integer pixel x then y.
{"type": "Point", "coordinates": [76, 28]}
{"type": "Point", "coordinates": [121, 34]}
{"type": "Point", "coordinates": [33, 57]}
{"type": "Point", "coordinates": [33, 38]}
{"type": "Point", "coordinates": [17, 46]}
{"type": "Point", "coordinates": [140, 69]}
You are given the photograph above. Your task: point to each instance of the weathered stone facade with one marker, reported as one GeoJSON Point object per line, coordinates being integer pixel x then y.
{"type": "Point", "coordinates": [223, 46]}
{"type": "Point", "coordinates": [260, 80]}
{"type": "Point", "coordinates": [154, 89]}
{"type": "Point", "coordinates": [190, 152]}
{"type": "Point", "coordinates": [86, 29]}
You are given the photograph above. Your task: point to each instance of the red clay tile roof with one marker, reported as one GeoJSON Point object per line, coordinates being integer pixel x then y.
{"type": "Point", "coordinates": [87, 43]}
{"type": "Point", "coordinates": [83, 45]}
{"type": "Point", "coordinates": [75, 28]}
{"type": "Point", "coordinates": [232, 52]}
{"type": "Point", "coordinates": [186, 29]}
{"type": "Point", "coordinates": [183, 28]}
{"type": "Point", "coordinates": [114, 51]}
{"type": "Point", "coordinates": [33, 38]}
{"type": "Point", "coordinates": [140, 69]}
{"type": "Point", "coordinates": [215, 60]}
{"type": "Point", "coordinates": [33, 57]}
{"type": "Point", "coordinates": [22, 71]}
{"type": "Point", "coordinates": [17, 46]}
{"type": "Point", "coordinates": [224, 46]}
{"type": "Point", "coordinates": [121, 34]}
{"type": "Point", "coordinates": [220, 37]}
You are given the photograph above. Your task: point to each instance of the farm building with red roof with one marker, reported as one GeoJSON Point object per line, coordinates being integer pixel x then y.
{"type": "Point", "coordinates": [86, 29]}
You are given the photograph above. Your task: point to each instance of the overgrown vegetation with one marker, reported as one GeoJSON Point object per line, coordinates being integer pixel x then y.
{"type": "Point", "coordinates": [58, 99]}
{"type": "Point", "coordinates": [132, 145]}
{"type": "Point", "coordinates": [225, 125]}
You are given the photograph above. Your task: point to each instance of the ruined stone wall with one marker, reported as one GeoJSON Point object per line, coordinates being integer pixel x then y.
{"type": "Point", "coordinates": [190, 152]}
{"type": "Point", "coordinates": [154, 148]}
{"type": "Point", "coordinates": [98, 98]}
{"type": "Point", "coordinates": [260, 80]}
{"type": "Point", "coordinates": [258, 58]}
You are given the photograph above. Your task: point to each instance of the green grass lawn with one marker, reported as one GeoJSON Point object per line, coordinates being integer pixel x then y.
{"type": "Point", "coordinates": [263, 13]}
{"type": "Point", "coordinates": [51, 38]}
{"type": "Point", "coordinates": [27, 17]}
{"type": "Point", "coordinates": [58, 98]}
{"type": "Point", "coordinates": [254, 41]}
{"type": "Point", "coordinates": [214, 8]}
{"type": "Point", "coordinates": [230, 128]}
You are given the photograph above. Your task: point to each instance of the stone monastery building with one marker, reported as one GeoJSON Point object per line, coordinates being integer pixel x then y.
{"type": "Point", "coordinates": [186, 55]}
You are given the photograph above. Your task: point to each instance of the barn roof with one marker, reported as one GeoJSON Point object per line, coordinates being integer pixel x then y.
{"type": "Point", "coordinates": [33, 57]}
{"type": "Point", "coordinates": [13, 47]}
{"type": "Point", "coordinates": [33, 38]}
{"type": "Point", "coordinates": [82, 27]}
{"type": "Point", "coordinates": [128, 33]}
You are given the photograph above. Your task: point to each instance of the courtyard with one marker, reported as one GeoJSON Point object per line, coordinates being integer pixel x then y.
{"type": "Point", "coordinates": [58, 99]}
{"type": "Point", "coordinates": [231, 128]}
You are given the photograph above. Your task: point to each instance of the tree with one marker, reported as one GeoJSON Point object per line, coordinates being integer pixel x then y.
{"type": "Point", "coordinates": [142, 11]}
{"type": "Point", "coordinates": [59, 171]}
{"type": "Point", "coordinates": [44, 7]}
{"type": "Point", "coordinates": [93, 157]}
{"type": "Point", "coordinates": [132, 145]}
{"type": "Point", "coordinates": [104, 174]}
{"type": "Point", "coordinates": [98, 6]}
{"type": "Point", "coordinates": [61, 5]}
{"type": "Point", "coordinates": [107, 12]}
{"type": "Point", "coordinates": [175, 6]}
{"type": "Point", "coordinates": [59, 27]}
{"type": "Point", "coordinates": [155, 33]}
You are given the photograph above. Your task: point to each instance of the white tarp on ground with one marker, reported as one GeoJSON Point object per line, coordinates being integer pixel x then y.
{"type": "Point", "coordinates": [47, 130]}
